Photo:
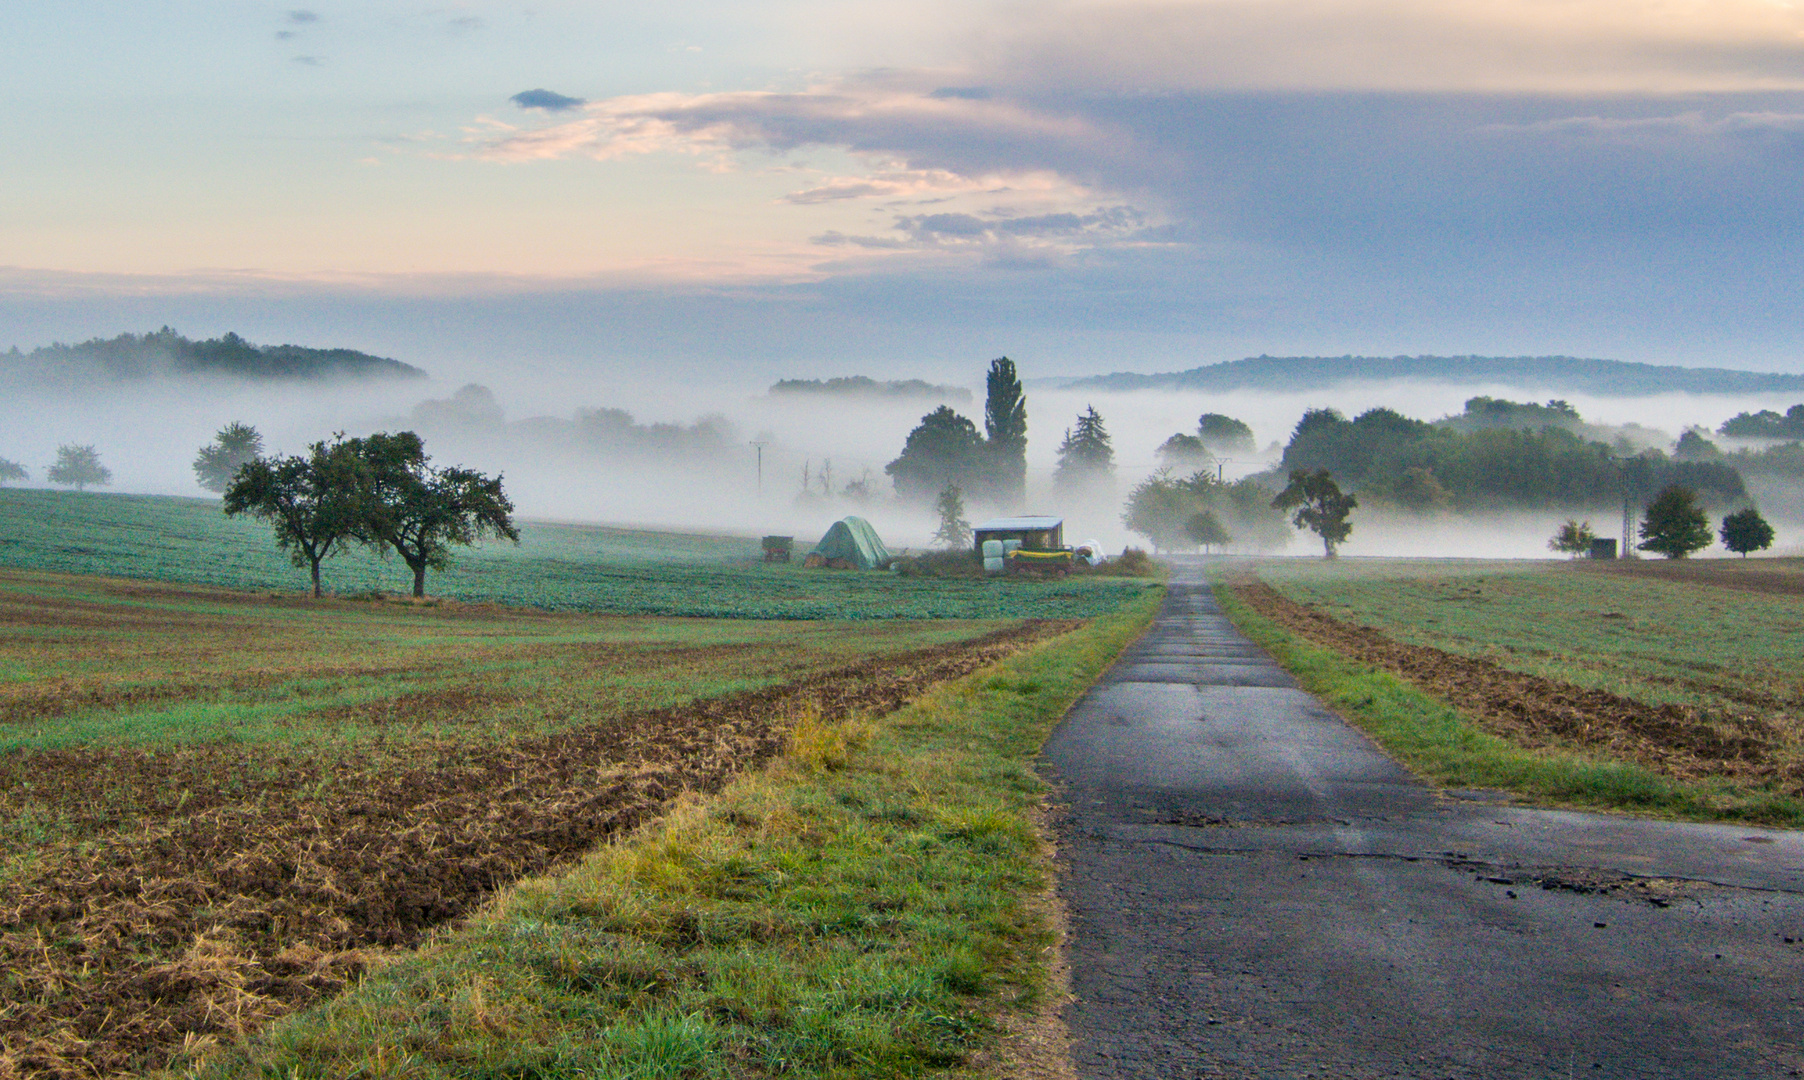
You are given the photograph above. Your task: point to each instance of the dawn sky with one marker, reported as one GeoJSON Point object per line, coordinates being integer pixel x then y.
{"type": "Point", "coordinates": [799, 187]}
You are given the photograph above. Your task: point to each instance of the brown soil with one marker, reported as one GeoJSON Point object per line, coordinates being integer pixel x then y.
{"type": "Point", "coordinates": [1773, 577]}
{"type": "Point", "coordinates": [1533, 711]}
{"type": "Point", "coordinates": [205, 921]}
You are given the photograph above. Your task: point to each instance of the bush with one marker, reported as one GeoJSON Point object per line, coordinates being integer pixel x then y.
{"type": "Point", "coordinates": [1132, 562]}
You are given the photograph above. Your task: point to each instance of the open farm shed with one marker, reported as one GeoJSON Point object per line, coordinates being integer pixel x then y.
{"type": "Point", "coordinates": [1036, 533]}
{"type": "Point", "coordinates": [850, 544]}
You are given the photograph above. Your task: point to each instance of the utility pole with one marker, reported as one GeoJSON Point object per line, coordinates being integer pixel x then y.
{"type": "Point", "coordinates": [760, 444]}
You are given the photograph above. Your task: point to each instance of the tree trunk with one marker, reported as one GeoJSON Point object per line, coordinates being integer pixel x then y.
{"type": "Point", "coordinates": [419, 582]}
{"type": "Point", "coordinates": [316, 592]}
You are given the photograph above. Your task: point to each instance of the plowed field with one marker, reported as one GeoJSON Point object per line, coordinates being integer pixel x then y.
{"type": "Point", "coordinates": [171, 875]}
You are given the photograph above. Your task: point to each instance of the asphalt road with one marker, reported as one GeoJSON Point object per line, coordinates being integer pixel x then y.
{"type": "Point", "coordinates": [1256, 891]}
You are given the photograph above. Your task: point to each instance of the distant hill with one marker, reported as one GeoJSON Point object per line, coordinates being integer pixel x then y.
{"type": "Point", "coordinates": [166, 354]}
{"type": "Point", "coordinates": [1569, 374]}
{"type": "Point", "coordinates": [865, 386]}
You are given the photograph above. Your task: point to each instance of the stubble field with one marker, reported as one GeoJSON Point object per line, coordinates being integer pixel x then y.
{"type": "Point", "coordinates": [218, 807]}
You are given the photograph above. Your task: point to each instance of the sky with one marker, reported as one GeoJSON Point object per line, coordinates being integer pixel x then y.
{"type": "Point", "coordinates": [738, 192]}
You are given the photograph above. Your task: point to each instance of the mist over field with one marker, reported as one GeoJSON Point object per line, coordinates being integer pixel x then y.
{"type": "Point", "coordinates": [678, 454]}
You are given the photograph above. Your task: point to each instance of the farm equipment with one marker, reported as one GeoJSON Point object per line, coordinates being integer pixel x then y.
{"type": "Point", "coordinates": [776, 548]}
{"type": "Point", "coordinates": [1024, 561]}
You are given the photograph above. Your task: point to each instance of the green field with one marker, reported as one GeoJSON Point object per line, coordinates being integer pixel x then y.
{"type": "Point", "coordinates": [1643, 637]}
{"type": "Point", "coordinates": [556, 567]}
{"type": "Point", "coordinates": [1667, 688]}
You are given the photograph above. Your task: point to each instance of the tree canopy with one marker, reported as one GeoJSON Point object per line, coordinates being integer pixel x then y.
{"type": "Point", "coordinates": [1319, 505]}
{"type": "Point", "coordinates": [12, 470]}
{"type": "Point", "coordinates": [1674, 525]}
{"type": "Point", "coordinates": [1161, 507]}
{"type": "Point", "coordinates": [235, 446]}
{"type": "Point", "coordinates": [1205, 530]}
{"type": "Point", "coordinates": [1488, 467]}
{"type": "Point", "coordinates": [1766, 424]}
{"type": "Point", "coordinates": [1745, 530]}
{"type": "Point", "coordinates": [421, 512]}
{"type": "Point", "coordinates": [1572, 538]}
{"type": "Point", "coordinates": [943, 449]}
{"type": "Point", "coordinates": [312, 501]}
{"type": "Point", "coordinates": [1224, 435]}
{"type": "Point", "coordinates": [78, 466]}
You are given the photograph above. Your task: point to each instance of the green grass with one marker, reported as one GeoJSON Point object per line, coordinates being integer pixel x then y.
{"type": "Point", "coordinates": [104, 661]}
{"type": "Point", "coordinates": [1438, 743]}
{"type": "Point", "coordinates": [556, 567]}
{"type": "Point", "coordinates": [1651, 640]}
{"type": "Point", "coordinates": [865, 908]}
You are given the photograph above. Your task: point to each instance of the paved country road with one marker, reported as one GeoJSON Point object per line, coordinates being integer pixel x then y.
{"type": "Point", "coordinates": [1256, 891]}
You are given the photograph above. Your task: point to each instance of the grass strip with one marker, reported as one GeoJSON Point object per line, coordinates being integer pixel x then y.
{"type": "Point", "coordinates": [866, 907]}
{"type": "Point", "coordinates": [1439, 743]}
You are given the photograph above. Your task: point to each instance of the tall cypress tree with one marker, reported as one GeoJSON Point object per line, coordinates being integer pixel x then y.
{"type": "Point", "coordinates": [1005, 431]}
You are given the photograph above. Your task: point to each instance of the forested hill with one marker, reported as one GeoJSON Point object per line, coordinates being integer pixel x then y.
{"type": "Point", "coordinates": [165, 354]}
{"type": "Point", "coordinates": [1566, 374]}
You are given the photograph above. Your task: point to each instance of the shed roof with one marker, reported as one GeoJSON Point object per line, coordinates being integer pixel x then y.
{"type": "Point", "coordinates": [1017, 523]}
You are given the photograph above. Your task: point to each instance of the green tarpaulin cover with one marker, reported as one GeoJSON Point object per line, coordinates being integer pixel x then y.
{"type": "Point", "coordinates": [853, 540]}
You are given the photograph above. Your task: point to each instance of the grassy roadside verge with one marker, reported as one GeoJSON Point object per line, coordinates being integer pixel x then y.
{"type": "Point", "coordinates": [1438, 743]}
{"type": "Point", "coordinates": [864, 908]}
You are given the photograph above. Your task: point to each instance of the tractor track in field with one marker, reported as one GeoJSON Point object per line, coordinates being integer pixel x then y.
{"type": "Point", "coordinates": [204, 921]}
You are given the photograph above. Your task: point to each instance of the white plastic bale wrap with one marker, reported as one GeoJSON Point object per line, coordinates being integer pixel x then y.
{"type": "Point", "coordinates": [992, 549]}
{"type": "Point", "coordinates": [992, 566]}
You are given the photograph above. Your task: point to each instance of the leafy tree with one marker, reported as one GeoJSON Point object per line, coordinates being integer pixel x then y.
{"type": "Point", "coordinates": [1183, 449]}
{"type": "Point", "coordinates": [1086, 456]}
{"type": "Point", "coordinates": [1161, 506]}
{"type": "Point", "coordinates": [1766, 424]}
{"type": "Point", "coordinates": [420, 511]}
{"type": "Point", "coordinates": [943, 449]}
{"type": "Point", "coordinates": [1224, 434]}
{"type": "Point", "coordinates": [1319, 505]}
{"type": "Point", "coordinates": [1491, 467]}
{"type": "Point", "coordinates": [234, 446]}
{"type": "Point", "coordinates": [954, 530]}
{"type": "Point", "coordinates": [312, 501]}
{"type": "Point", "coordinates": [1674, 525]}
{"type": "Point", "coordinates": [1005, 431]}
{"type": "Point", "coordinates": [1572, 538]}
{"type": "Point", "coordinates": [80, 466]}
{"type": "Point", "coordinates": [12, 470]}
{"type": "Point", "coordinates": [1694, 447]}
{"type": "Point", "coordinates": [1745, 531]}
{"type": "Point", "coordinates": [1205, 530]}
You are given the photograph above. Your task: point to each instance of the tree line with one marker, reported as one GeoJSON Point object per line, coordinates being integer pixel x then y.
{"type": "Point", "coordinates": [1389, 458]}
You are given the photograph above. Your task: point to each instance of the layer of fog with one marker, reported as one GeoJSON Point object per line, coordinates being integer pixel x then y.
{"type": "Point", "coordinates": [148, 436]}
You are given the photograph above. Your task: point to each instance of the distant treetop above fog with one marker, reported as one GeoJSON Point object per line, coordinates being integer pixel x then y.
{"type": "Point", "coordinates": [865, 386]}
{"type": "Point", "coordinates": [167, 354]}
{"type": "Point", "coordinates": [1611, 378]}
